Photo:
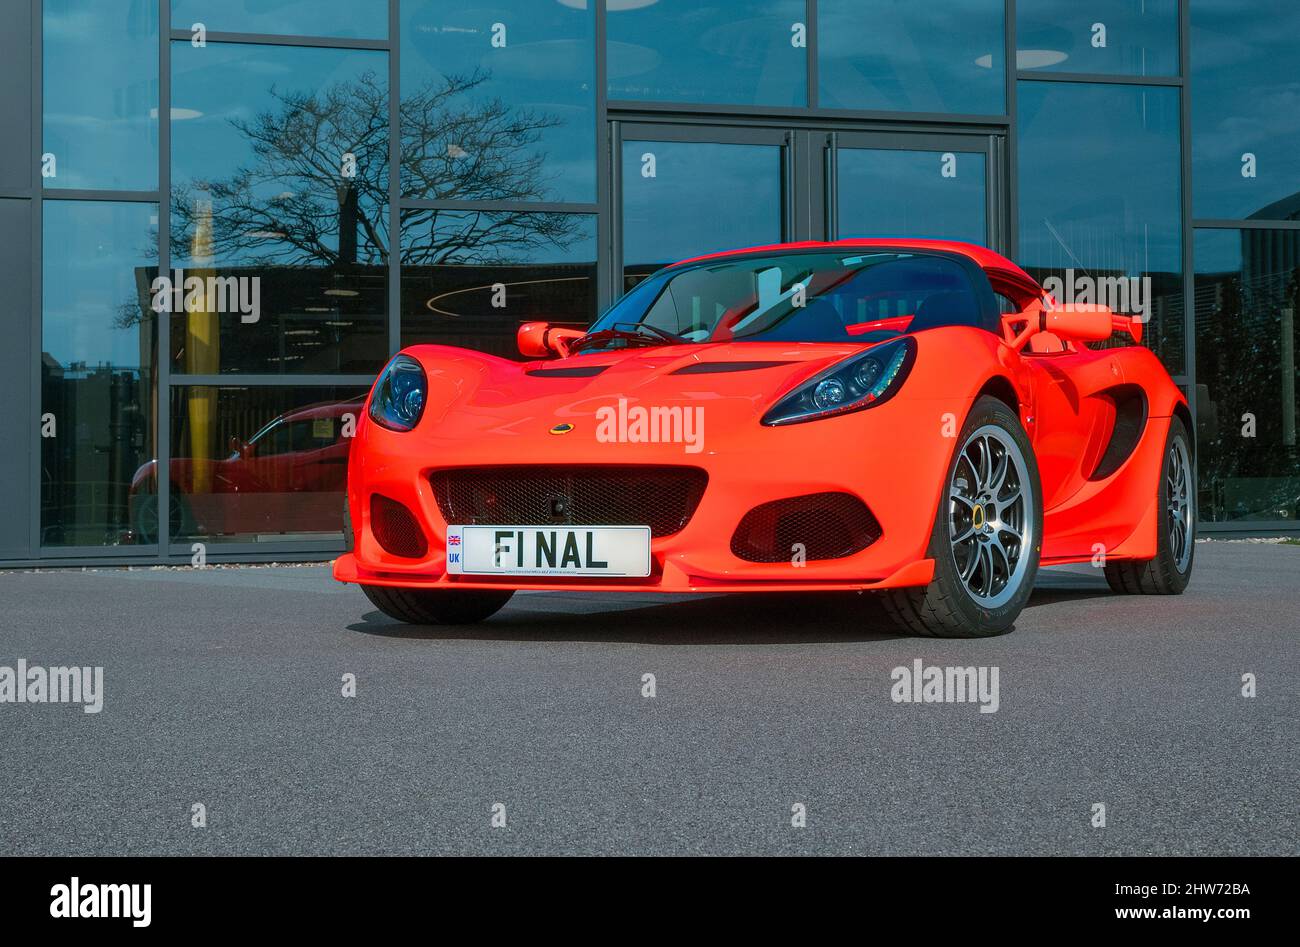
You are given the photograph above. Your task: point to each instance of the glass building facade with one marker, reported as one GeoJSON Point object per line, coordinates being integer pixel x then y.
{"type": "Point", "coordinates": [200, 203]}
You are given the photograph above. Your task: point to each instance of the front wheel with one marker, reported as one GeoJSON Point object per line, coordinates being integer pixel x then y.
{"type": "Point", "coordinates": [1168, 572]}
{"type": "Point", "coordinates": [987, 535]}
{"type": "Point", "coordinates": [437, 606]}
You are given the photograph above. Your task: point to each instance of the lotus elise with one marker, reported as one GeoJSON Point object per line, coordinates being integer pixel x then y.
{"type": "Point", "coordinates": [914, 418]}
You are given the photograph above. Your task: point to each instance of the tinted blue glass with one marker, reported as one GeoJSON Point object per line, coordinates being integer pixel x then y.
{"type": "Point", "coordinates": [1100, 200]}
{"type": "Point", "coordinates": [1245, 99]}
{"type": "Point", "coordinates": [98, 340]}
{"type": "Point", "coordinates": [471, 278]}
{"type": "Point", "coordinates": [682, 199]}
{"type": "Point", "coordinates": [498, 101]}
{"type": "Point", "coordinates": [280, 172]}
{"type": "Point", "coordinates": [1247, 299]}
{"type": "Point", "coordinates": [100, 94]}
{"type": "Point", "coordinates": [1123, 37]}
{"type": "Point", "coordinates": [746, 52]}
{"type": "Point", "coordinates": [914, 57]}
{"type": "Point", "coordinates": [895, 193]}
{"type": "Point", "coordinates": [361, 19]}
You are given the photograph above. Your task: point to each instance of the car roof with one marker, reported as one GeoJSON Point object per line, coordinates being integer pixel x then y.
{"type": "Point", "coordinates": [321, 409]}
{"type": "Point", "coordinates": [985, 258]}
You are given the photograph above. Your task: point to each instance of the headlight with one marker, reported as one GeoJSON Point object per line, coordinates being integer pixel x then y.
{"type": "Point", "coordinates": [398, 399]}
{"type": "Point", "coordinates": [862, 381]}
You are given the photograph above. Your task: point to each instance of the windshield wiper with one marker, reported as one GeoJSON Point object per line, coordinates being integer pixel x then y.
{"type": "Point", "coordinates": [636, 334]}
{"type": "Point", "coordinates": [672, 338]}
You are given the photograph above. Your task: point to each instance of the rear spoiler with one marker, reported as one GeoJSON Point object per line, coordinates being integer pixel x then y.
{"type": "Point", "coordinates": [1127, 325]}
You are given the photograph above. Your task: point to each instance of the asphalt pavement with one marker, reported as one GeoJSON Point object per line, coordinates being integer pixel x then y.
{"type": "Point", "coordinates": [223, 688]}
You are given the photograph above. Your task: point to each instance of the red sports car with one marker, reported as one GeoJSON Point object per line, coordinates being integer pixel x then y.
{"type": "Point", "coordinates": [287, 478]}
{"type": "Point", "coordinates": [864, 414]}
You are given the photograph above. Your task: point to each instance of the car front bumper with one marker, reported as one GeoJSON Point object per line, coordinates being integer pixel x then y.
{"type": "Point", "coordinates": [899, 478]}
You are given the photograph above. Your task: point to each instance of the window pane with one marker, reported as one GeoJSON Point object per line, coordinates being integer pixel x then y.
{"type": "Point", "coordinates": [746, 52]}
{"type": "Point", "coordinates": [1247, 297]}
{"type": "Point", "coordinates": [1124, 37]}
{"type": "Point", "coordinates": [357, 19]}
{"type": "Point", "coordinates": [1100, 209]}
{"type": "Point", "coordinates": [895, 193]}
{"type": "Point", "coordinates": [97, 378]}
{"type": "Point", "coordinates": [913, 57]}
{"type": "Point", "coordinates": [280, 191]}
{"type": "Point", "coordinates": [702, 197]}
{"type": "Point", "coordinates": [260, 464]}
{"type": "Point", "coordinates": [1245, 140]}
{"type": "Point", "coordinates": [101, 94]}
{"type": "Point", "coordinates": [498, 100]}
{"type": "Point", "coordinates": [471, 279]}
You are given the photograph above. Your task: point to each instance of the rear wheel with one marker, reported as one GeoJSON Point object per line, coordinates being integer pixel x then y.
{"type": "Point", "coordinates": [987, 533]}
{"type": "Point", "coordinates": [144, 517]}
{"type": "Point", "coordinates": [437, 606]}
{"type": "Point", "coordinates": [1168, 572]}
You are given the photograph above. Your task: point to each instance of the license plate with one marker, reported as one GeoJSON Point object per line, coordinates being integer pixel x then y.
{"type": "Point", "coordinates": [549, 550]}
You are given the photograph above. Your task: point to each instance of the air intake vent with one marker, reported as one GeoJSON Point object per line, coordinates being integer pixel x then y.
{"type": "Point", "coordinates": [395, 528]}
{"type": "Point", "coordinates": [1130, 421]}
{"type": "Point", "coordinates": [718, 368]}
{"type": "Point", "coordinates": [825, 525]}
{"type": "Point", "coordinates": [572, 371]}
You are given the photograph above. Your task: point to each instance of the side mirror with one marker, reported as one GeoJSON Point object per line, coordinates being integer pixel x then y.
{"type": "Point", "coordinates": [543, 340]}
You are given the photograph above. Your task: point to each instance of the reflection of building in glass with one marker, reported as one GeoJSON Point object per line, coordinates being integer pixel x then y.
{"type": "Point", "coordinates": [102, 437]}
{"type": "Point", "coordinates": [1245, 324]}
{"type": "Point", "coordinates": [461, 305]}
{"type": "Point", "coordinates": [311, 320]}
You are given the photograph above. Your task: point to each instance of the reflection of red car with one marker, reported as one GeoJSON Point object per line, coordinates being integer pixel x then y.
{"type": "Point", "coordinates": [911, 416]}
{"type": "Point", "coordinates": [289, 477]}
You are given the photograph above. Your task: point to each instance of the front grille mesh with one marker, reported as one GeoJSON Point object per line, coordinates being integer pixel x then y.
{"type": "Point", "coordinates": [663, 498]}
{"type": "Point", "coordinates": [826, 525]}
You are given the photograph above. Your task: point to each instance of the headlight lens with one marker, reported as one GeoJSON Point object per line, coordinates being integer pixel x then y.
{"type": "Point", "coordinates": [862, 381]}
{"type": "Point", "coordinates": [400, 392]}
{"type": "Point", "coordinates": [829, 393]}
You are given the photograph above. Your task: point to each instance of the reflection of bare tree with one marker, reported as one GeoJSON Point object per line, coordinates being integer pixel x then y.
{"type": "Point", "coordinates": [478, 237]}
{"type": "Point", "coordinates": [294, 206]}
{"type": "Point", "coordinates": [1238, 360]}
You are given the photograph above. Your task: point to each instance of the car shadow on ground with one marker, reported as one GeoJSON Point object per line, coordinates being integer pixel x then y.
{"type": "Point", "coordinates": [756, 618]}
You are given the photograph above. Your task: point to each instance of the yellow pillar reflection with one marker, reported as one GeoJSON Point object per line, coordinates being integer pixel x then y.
{"type": "Point", "coordinates": [202, 351]}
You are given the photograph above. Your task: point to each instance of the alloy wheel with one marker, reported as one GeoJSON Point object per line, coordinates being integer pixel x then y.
{"type": "Point", "coordinates": [990, 516]}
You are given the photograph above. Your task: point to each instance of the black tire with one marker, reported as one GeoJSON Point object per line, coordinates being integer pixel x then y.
{"type": "Point", "coordinates": [1163, 574]}
{"type": "Point", "coordinates": [948, 607]}
{"type": "Point", "coordinates": [437, 606]}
